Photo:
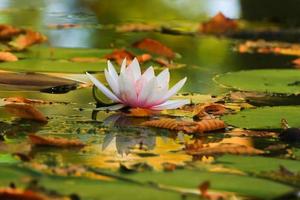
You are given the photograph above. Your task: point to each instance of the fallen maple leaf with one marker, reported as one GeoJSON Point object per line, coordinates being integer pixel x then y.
{"type": "Point", "coordinates": [154, 46]}
{"type": "Point", "coordinates": [54, 141]}
{"type": "Point", "coordinates": [8, 57]}
{"type": "Point", "coordinates": [119, 54]}
{"type": "Point", "coordinates": [218, 24]}
{"type": "Point", "coordinates": [26, 40]}
{"type": "Point", "coordinates": [8, 31]}
{"type": "Point", "coordinates": [25, 111]}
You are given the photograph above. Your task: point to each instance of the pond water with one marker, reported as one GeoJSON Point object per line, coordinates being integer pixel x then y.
{"type": "Point", "coordinates": [113, 137]}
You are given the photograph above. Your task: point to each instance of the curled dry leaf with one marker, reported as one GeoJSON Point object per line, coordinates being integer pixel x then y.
{"type": "Point", "coordinates": [137, 27]}
{"type": "Point", "coordinates": [218, 24]}
{"type": "Point", "coordinates": [251, 133]}
{"type": "Point", "coordinates": [187, 126]}
{"type": "Point", "coordinates": [25, 100]}
{"type": "Point", "coordinates": [202, 110]}
{"type": "Point", "coordinates": [8, 31]}
{"type": "Point", "coordinates": [224, 149]}
{"type": "Point", "coordinates": [19, 194]}
{"type": "Point", "coordinates": [85, 59]}
{"type": "Point", "coordinates": [25, 111]}
{"type": "Point", "coordinates": [119, 54]}
{"type": "Point", "coordinates": [26, 40]}
{"type": "Point", "coordinates": [55, 141]}
{"type": "Point", "coordinates": [7, 57]}
{"type": "Point", "coordinates": [154, 46]}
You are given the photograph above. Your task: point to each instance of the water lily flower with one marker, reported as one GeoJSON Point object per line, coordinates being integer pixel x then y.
{"type": "Point", "coordinates": [134, 89]}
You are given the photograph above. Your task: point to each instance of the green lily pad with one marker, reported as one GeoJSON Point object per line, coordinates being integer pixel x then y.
{"type": "Point", "coordinates": [281, 81]}
{"type": "Point", "coordinates": [264, 117]}
{"type": "Point", "coordinates": [38, 65]}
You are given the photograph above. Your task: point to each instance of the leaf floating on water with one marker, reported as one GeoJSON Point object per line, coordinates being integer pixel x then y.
{"type": "Point", "coordinates": [154, 46]}
{"type": "Point", "coordinates": [208, 125]}
{"type": "Point", "coordinates": [28, 39]}
{"type": "Point", "coordinates": [119, 54]}
{"type": "Point", "coordinates": [7, 57]}
{"type": "Point", "coordinates": [202, 110]}
{"type": "Point", "coordinates": [173, 124]}
{"type": "Point", "coordinates": [218, 24]}
{"type": "Point", "coordinates": [187, 126]}
{"type": "Point", "coordinates": [8, 31]}
{"type": "Point", "coordinates": [251, 133]}
{"type": "Point", "coordinates": [25, 111]}
{"type": "Point", "coordinates": [55, 141]}
{"type": "Point", "coordinates": [224, 149]}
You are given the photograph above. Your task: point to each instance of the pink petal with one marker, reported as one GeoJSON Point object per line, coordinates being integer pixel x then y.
{"type": "Point", "coordinates": [148, 74]}
{"type": "Point", "coordinates": [127, 90]}
{"type": "Point", "coordinates": [102, 88]}
{"type": "Point", "coordinates": [171, 104]}
{"type": "Point", "coordinates": [134, 69]}
{"type": "Point", "coordinates": [156, 96]}
{"type": "Point", "coordinates": [146, 91]}
{"type": "Point", "coordinates": [174, 89]}
{"type": "Point", "coordinates": [112, 82]}
{"type": "Point", "coordinates": [163, 78]}
{"type": "Point", "coordinates": [123, 66]}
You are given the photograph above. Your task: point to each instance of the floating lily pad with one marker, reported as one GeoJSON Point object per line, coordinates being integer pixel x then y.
{"type": "Point", "coordinates": [265, 117]}
{"type": "Point", "coordinates": [280, 81]}
{"type": "Point", "coordinates": [37, 65]}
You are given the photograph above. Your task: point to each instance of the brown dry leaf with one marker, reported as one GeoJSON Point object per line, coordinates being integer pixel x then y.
{"type": "Point", "coordinates": [19, 194]}
{"type": "Point", "coordinates": [218, 24]}
{"type": "Point", "coordinates": [173, 124]}
{"type": "Point", "coordinates": [163, 61]}
{"type": "Point", "coordinates": [154, 46]}
{"type": "Point", "coordinates": [144, 58]}
{"type": "Point", "coordinates": [296, 62]}
{"type": "Point", "coordinates": [85, 59]}
{"type": "Point", "coordinates": [8, 31]}
{"type": "Point", "coordinates": [141, 112]}
{"type": "Point", "coordinates": [137, 27]}
{"type": "Point", "coordinates": [223, 148]}
{"type": "Point", "coordinates": [25, 100]}
{"type": "Point", "coordinates": [54, 141]}
{"type": "Point", "coordinates": [26, 40]}
{"type": "Point", "coordinates": [202, 110]}
{"type": "Point", "coordinates": [187, 126]}
{"type": "Point", "coordinates": [25, 111]}
{"type": "Point", "coordinates": [251, 133]}
{"type": "Point", "coordinates": [119, 54]}
{"type": "Point", "coordinates": [7, 57]}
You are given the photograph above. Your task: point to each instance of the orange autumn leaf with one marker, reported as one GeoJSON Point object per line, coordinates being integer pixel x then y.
{"type": "Point", "coordinates": [7, 57]}
{"type": "Point", "coordinates": [25, 111]}
{"type": "Point", "coordinates": [144, 58]}
{"type": "Point", "coordinates": [55, 141]}
{"type": "Point", "coordinates": [163, 61]}
{"type": "Point", "coordinates": [224, 148]}
{"type": "Point", "coordinates": [19, 194]}
{"type": "Point", "coordinates": [85, 59]}
{"type": "Point", "coordinates": [137, 27]}
{"type": "Point", "coordinates": [26, 40]}
{"type": "Point", "coordinates": [296, 62]}
{"type": "Point", "coordinates": [154, 46]}
{"type": "Point", "coordinates": [210, 108]}
{"type": "Point", "coordinates": [208, 125]}
{"type": "Point", "coordinates": [218, 24]}
{"type": "Point", "coordinates": [119, 54]}
{"type": "Point", "coordinates": [8, 31]}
